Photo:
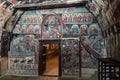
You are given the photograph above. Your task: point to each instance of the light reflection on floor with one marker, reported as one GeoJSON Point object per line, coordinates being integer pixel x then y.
{"type": "Point", "coordinates": [52, 66]}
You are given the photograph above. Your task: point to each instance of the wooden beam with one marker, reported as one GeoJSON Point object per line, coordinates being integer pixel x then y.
{"type": "Point", "coordinates": [50, 5]}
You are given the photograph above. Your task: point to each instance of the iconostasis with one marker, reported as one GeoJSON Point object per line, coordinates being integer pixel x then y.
{"type": "Point", "coordinates": [97, 27]}
{"type": "Point", "coordinates": [49, 24]}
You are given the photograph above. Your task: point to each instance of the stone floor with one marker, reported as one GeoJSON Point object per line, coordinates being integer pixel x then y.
{"type": "Point", "coordinates": [87, 74]}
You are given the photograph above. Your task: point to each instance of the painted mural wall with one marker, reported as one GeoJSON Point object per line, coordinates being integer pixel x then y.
{"type": "Point", "coordinates": [23, 57]}
{"type": "Point", "coordinates": [7, 22]}
{"type": "Point", "coordinates": [5, 14]}
{"type": "Point", "coordinates": [107, 14]}
{"type": "Point", "coordinates": [64, 23]}
{"type": "Point", "coordinates": [57, 23]}
{"type": "Point", "coordinates": [70, 57]}
{"type": "Point", "coordinates": [67, 23]}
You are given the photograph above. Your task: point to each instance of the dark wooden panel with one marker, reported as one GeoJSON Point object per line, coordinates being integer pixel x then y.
{"type": "Point", "coordinates": [50, 5]}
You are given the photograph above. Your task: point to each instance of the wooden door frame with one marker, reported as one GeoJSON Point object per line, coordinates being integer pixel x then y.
{"type": "Point", "coordinates": [58, 41]}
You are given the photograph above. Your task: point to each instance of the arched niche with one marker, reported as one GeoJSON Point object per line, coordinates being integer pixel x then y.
{"type": "Point", "coordinates": [51, 27]}
{"type": "Point", "coordinates": [93, 29]}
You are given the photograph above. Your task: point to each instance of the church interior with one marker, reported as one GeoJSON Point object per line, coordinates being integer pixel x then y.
{"type": "Point", "coordinates": [59, 40]}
